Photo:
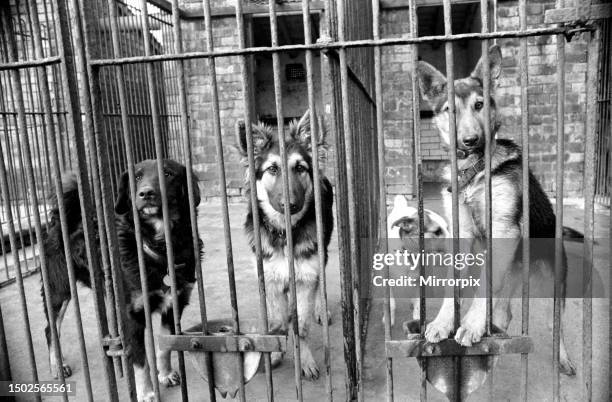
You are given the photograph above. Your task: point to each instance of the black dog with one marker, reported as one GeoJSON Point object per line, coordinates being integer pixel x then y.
{"type": "Point", "coordinates": [148, 205]}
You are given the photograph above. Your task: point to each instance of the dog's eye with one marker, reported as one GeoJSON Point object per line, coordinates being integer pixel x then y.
{"type": "Point", "coordinates": [478, 105]}
{"type": "Point", "coordinates": [273, 170]}
{"type": "Point", "coordinates": [167, 174]}
{"type": "Point", "coordinates": [138, 177]}
{"type": "Point", "coordinates": [445, 108]}
{"type": "Point", "coordinates": [300, 169]}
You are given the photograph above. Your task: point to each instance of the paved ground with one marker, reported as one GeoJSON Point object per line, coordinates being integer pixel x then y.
{"type": "Point", "coordinates": [406, 371]}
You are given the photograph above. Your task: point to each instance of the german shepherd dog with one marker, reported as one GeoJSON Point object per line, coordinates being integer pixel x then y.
{"type": "Point", "coordinates": [271, 206]}
{"type": "Point", "coordinates": [506, 174]}
{"type": "Point", "coordinates": [148, 205]}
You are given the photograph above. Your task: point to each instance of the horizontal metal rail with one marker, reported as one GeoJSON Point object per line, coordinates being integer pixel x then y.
{"type": "Point", "coordinates": [342, 45]}
{"type": "Point", "coordinates": [487, 346]}
{"type": "Point", "coordinates": [30, 63]}
{"type": "Point", "coordinates": [224, 343]}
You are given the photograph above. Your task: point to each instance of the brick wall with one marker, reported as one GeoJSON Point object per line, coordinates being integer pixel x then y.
{"type": "Point", "coordinates": [542, 96]}
{"type": "Point", "coordinates": [397, 95]}
{"type": "Point", "coordinates": [541, 92]}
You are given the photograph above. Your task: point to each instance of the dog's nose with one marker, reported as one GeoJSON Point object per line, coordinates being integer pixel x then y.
{"type": "Point", "coordinates": [146, 193]}
{"type": "Point", "coordinates": [470, 140]}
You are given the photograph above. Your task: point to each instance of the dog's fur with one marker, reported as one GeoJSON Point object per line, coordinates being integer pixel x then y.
{"type": "Point", "coordinates": [506, 173]}
{"type": "Point", "coordinates": [271, 206]}
{"type": "Point", "coordinates": [148, 205]}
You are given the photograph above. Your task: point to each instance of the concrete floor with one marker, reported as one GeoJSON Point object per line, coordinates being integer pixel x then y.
{"type": "Point", "coordinates": [406, 371]}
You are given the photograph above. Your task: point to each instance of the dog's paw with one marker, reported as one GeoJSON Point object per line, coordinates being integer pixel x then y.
{"type": "Point", "coordinates": [310, 370]}
{"type": "Point", "coordinates": [468, 334]}
{"type": "Point", "coordinates": [65, 369]}
{"type": "Point", "coordinates": [437, 331]}
{"type": "Point", "coordinates": [567, 367]}
{"type": "Point", "coordinates": [147, 397]}
{"type": "Point", "coordinates": [169, 379]}
{"type": "Point", "coordinates": [276, 358]}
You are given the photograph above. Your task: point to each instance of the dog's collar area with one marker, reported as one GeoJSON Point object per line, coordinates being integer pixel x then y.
{"type": "Point", "coordinates": [466, 175]}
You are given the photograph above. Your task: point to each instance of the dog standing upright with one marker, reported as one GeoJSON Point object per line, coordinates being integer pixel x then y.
{"type": "Point", "coordinates": [148, 205]}
{"type": "Point", "coordinates": [506, 190]}
{"type": "Point", "coordinates": [271, 206]}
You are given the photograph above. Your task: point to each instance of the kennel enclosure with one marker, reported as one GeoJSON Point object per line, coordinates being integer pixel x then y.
{"type": "Point", "coordinates": [94, 87]}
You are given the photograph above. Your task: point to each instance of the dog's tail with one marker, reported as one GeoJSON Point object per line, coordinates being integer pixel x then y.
{"type": "Point", "coordinates": [72, 203]}
{"type": "Point", "coordinates": [570, 234]}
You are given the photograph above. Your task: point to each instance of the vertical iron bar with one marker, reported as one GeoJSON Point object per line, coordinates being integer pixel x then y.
{"type": "Point", "coordinates": [524, 82]}
{"type": "Point", "coordinates": [285, 177]}
{"type": "Point", "coordinates": [351, 196]}
{"type": "Point", "coordinates": [418, 176]}
{"type": "Point", "coordinates": [246, 98]}
{"type": "Point", "coordinates": [184, 127]}
{"type": "Point", "coordinates": [132, 184]}
{"type": "Point", "coordinates": [450, 78]}
{"type": "Point", "coordinates": [333, 77]}
{"type": "Point", "coordinates": [159, 151]}
{"type": "Point", "coordinates": [589, 211]}
{"type": "Point", "coordinates": [316, 131]}
{"type": "Point", "coordinates": [559, 210]}
{"type": "Point", "coordinates": [380, 130]}
{"type": "Point", "coordinates": [486, 74]}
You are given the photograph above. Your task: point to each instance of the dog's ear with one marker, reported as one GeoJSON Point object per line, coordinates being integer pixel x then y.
{"type": "Point", "coordinates": [262, 135]}
{"type": "Point", "coordinates": [432, 83]}
{"type": "Point", "coordinates": [302, 130]}
{"type": "Point", "coordinates": [123, 204]}
{"type": "Point", "coordinates": [194, 186]}
{"type": "Point", "coordinates": [495, 59]}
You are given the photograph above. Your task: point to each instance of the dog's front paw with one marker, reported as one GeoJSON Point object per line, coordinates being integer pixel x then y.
{"type": "Point", "coordinates": [310, 370]}
{"type": "Point", "coordinates": [469, 334]}
{"type": "Point", "coordinates": [438, 330]}
{"type": "Point", "coordinates": [169, 379]}
{"type": "Point", "coordinates": [65, 369]}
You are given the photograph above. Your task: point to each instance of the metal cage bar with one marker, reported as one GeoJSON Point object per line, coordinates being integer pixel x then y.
{"type": "Point", "coordinates": [285, 177]}
{"type": "Point", "coordinates": [316, 130]}
{"type": "Point", "coordinates": [524, 81]}
{"type": "Point", "coordinates": [593, 54]}
{"type": "Point", "coordinates": [452, 129]}
{"type": "Point", "coordinates": [560, 132]}
{"type": "Point", "coordinates": [248, 120]}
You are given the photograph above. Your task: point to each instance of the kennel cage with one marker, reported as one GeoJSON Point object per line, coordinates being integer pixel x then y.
{"type": "Point", "coordinates": [93, 87]}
